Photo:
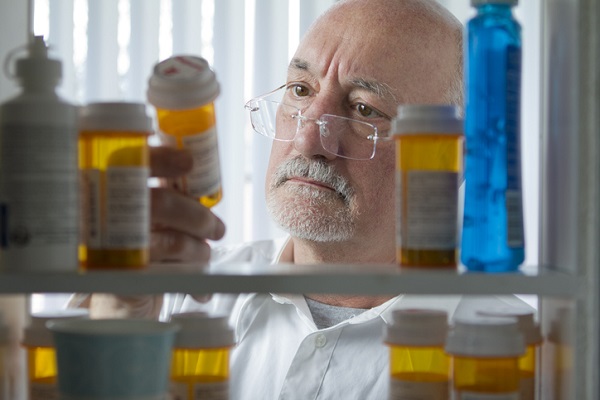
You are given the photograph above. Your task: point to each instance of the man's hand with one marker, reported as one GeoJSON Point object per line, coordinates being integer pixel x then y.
{"type": "Point", "coordinates": [181, 225]}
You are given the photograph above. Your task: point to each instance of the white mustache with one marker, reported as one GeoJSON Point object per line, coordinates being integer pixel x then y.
{"type": "Point", "coordinates": [318, 171]}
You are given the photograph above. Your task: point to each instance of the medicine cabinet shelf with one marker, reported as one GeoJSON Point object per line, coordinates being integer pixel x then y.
{"type": "Point", "coordinates": [288, 278]}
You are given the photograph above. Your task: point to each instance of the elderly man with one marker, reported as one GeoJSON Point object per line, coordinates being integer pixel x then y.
{"type": "Point", "coordinates": [330, 185]}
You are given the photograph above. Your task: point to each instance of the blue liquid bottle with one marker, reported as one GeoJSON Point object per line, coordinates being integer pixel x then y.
{"type": "Point", "coordinates": [493, 234]}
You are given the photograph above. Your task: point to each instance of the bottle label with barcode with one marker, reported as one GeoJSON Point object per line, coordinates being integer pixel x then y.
{"type": "Point", "coordinates": [514, 201]}
{"type": "Point", "coordinates": [428, 210]}
{"type": "Point", "coordinates": [91, 214]}
{"type": "Point", "coordinates": [514, 218]}
{"type": "Point", "coordinates": [116, 208]}
{"type": "Point", "coordinates": [205, 177]}
{"type": "Point", "coordinates": [127, 208]}
{"type": "Point", "coordinates": [39, 196]}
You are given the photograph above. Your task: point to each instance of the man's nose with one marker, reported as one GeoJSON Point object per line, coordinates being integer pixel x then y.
{"type": "Point", "coordinates": [308, 139]}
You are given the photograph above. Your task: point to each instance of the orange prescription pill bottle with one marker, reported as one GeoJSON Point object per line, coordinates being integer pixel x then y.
{"type": "Point", "coordinates": [115, 198]}
{"type": "Point", "coordinates": [41, 354]}
{"type": "Point", "coordinates": [419, 366]}
{"type": "Point", "coordinates": [200, 363]}
{"type": "Point", "coordinates": [533, 339]}
{"type": "Point", "coordinates": [485, 358]}
{"type": "Point", "coordinates": [183, 90]}
{"type": "Point", "coordinates": [429, 162]}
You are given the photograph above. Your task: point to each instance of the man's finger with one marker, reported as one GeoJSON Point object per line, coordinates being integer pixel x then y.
{"type": "Point", "coordinates": [178, 212]}
{"type": "Point", "coordinates": [169, 162]}
{"type": "Point", "coordinates": [173, 246]}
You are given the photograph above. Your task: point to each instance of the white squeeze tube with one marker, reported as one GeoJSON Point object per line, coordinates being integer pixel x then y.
{"type": "Point", "coordinates": [39, 213]}
{"type": "Point", "coordinates": [36, 109]}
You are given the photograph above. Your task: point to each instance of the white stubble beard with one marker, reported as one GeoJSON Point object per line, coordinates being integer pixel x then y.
{"type": "Point", "coordinates": [310, 213]}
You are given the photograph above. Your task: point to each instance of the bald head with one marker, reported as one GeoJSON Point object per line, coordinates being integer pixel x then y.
{"type": "Point", "coordinates": [384, 11]}
{"type": "Point", "coordinates": [408, 28]}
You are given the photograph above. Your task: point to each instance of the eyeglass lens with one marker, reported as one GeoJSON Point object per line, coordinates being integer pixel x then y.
{"type": "Point", "coordinates": [346, 137]}
{"type": "Point", "coordinates": [339, 135]}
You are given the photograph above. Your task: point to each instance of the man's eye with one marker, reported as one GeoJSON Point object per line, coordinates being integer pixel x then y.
{"type": "Point", "coordinates": [366, 111]}
{"type": "Point", "coordinates": [300, 91]}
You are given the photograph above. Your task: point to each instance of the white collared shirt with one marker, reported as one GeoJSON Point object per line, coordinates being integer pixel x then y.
{"type": "Point", "coordinates": [281, 354]}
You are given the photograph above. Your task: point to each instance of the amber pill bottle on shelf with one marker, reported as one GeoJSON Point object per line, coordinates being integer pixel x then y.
{"type": "Point", "coordinates": [419, 366]}
{"type": "Point", "coordinates": [533, 339]}
{"type": "Point", "coordinates": [485, 353]}
{"type": "Point", "coordinates": [115, 198]}
{"type": "Point", "coordinates": [200, 362]}
{"type": "Point", "coordinates": [429, 164]}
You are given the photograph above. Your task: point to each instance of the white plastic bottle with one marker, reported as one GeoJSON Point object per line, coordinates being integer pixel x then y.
{"type": "Point", "coordinates": [39, 216]}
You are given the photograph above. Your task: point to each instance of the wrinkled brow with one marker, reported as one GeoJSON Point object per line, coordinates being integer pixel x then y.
{"type": "Point", "coordinates": [381, 90]}
{"type": "Point", "coordinates": [299, 64]}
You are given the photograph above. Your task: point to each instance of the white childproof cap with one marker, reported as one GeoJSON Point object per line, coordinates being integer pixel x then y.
{"type": "Point", "coordinates": [202, 330]}
{"type": "Point", "coordinates": [182, 82]}
{"type": "Point", "coordinates": [478, 336]}
{"type": "Point", "coordinates": [417, 327]}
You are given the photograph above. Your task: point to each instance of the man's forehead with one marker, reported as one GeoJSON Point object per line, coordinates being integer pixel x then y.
{"type": "Point", "coordinates": [409, 55]}
{"type": "Point", "coordinates": [374, 86]}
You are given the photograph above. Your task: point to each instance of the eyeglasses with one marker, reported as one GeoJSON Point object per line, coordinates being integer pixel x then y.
{"type": "Point", "coordinates": [281, 120]}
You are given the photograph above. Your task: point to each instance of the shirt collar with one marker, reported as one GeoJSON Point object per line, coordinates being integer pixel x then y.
{"type": "Point", "coordinates": [298, 301]}
{"type": "Point", "coordinates": [286, 255]}
{"type": "Point", "coordinates": [384, 311]}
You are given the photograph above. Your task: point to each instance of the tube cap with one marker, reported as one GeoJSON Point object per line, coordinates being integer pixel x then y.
{"type": "Point", "coordinates": [37, 69]}
{"type": "Point", "coordinates": [418, 327]}
{"type": "Point", "coordinates": [120, 116]}
{"type": "Point", "coordinates": [427, 118]}
{"type": "Point", "coordinates": [485, 337]}
{"type": "Point", "coordinates": [531, 331]}
{"type": "Point", "coordinates": [37, 334]}
{"type": "Point", "coordinates": [182, 82]}
{"type": "Point", "coordinates": [201, 330]}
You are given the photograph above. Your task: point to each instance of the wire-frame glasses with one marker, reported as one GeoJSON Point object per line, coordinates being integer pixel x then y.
{"type": "Point", "coordinates": [281, 120]}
